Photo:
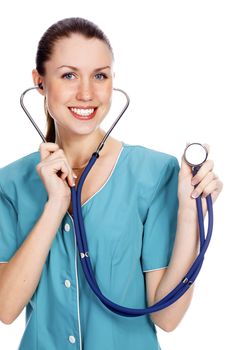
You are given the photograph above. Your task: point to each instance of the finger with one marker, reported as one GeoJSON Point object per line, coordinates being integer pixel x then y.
{"type": "Point", "coordinates": [63, 166]}
{"type": "Point", "coordinates": [58, 166]}
{"type": "Point", "coordinates": [207, 146]}
{"type": "Point", "coordinates": [65, 173]}
{"type": "Point", "coordinates": [46, 149]}
{"type": "Point", "coordinates": [214, 186]}
{"type": "Point", "coordinates": [203, 184]}
{"type": "Point", "coordinates": [215, 194]}
{"type": "Point", "coordinates": [210, 188]}
{"type": "Point", "coordinates": [59, 154]}
{"type": "Point", "coordinates": [202, 172]}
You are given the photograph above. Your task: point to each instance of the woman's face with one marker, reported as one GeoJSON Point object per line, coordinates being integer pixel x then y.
{"type": "Point", "coordinates": [78, 83]}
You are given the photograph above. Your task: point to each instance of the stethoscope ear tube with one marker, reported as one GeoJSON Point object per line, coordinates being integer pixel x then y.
{"type": "Point", "coordinates": [28, 114]}
{"type": "Point", "coordinates": [100, 146]}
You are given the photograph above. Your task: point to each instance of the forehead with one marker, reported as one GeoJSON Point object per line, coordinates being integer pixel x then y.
{"type": "Point", "coordinates": [80, 51]}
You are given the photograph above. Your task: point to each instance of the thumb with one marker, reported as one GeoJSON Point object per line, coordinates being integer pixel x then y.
{"type": "Point", "coordinates": [207, 147]}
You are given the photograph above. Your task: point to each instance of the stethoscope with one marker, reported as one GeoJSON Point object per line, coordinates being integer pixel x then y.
{"type": "Point", "coordinates": [195, 155]}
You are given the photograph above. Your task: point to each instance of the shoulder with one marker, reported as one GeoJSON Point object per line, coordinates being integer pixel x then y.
{"type": "Point", "coordinates": [151, 162]}
{"type": "Point", "coordinates": [150, 170]}
{"type": "Point", "coordinates": [19, 172]}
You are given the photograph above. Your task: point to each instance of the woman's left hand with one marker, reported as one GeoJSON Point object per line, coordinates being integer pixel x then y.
{"type": "Point", "coordinates": [207, 183]}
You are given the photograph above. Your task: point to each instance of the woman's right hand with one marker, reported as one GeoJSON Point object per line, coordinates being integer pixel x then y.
{"type": "Point", "coordinates": [55, 173]}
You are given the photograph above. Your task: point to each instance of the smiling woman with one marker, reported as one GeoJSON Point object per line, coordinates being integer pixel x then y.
{"type": "Point", "coordinates": [136, 203]}
{"type": "Point", "coordinates": [64, 82]}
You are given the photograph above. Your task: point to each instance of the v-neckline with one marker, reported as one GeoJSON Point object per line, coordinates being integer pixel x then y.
{"type": "Point", "coordinates": [110, 175]}
{"type": "Point", "coordinates": [117, 162]}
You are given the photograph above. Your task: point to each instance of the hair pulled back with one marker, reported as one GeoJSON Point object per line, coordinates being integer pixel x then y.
{"type": "Point", "coordinates": [63, 29]}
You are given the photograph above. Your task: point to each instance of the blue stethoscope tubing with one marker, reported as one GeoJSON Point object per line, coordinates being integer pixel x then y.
{"type": "Point", "coordinates": [170, 298]}
{"type": "Point", "coordinates": [81, 240]}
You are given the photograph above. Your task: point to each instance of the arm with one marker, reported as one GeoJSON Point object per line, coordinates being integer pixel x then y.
{"type": "Point", "coordinates": [20, 276]}
{"type": "Point", "coordinates": [186, 245]}
{"type": "Point", "coordinates": [160, 283]}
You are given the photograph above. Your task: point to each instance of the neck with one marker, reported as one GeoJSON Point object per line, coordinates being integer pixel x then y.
{"type": "Point", "coordinates": [78, 149]}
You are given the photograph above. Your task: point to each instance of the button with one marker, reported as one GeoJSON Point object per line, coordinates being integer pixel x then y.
{"type": "Point", "coordinates": [67, 283]}
{"type": "Point", "coordinates": [67, 227]}
{"type": "Point", "coordinates": [71, 339]}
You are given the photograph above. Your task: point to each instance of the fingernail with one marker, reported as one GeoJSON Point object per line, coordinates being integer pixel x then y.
{"type": "Point", "coordinates": [75, 176]}
{"type": "Point", "coordinates": [194, 182]}
{"type": "Point", "coordinates": [195, 194]}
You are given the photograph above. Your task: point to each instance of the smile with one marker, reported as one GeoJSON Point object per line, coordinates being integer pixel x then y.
{"type": "Point", "coordinates": [83, 113]}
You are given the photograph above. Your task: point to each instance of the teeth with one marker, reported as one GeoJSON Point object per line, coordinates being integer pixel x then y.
{"type": "Point", "coordinates": [83, 112]}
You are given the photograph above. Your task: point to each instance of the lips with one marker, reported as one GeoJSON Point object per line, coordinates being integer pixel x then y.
{"type": "Point", "coordinates": [86, 113]}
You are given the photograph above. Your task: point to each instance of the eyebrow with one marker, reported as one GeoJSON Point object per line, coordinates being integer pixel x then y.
{"type": "Point", "coordinates": [76, 68]}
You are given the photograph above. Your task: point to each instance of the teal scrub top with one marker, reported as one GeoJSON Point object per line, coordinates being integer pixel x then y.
{"type": "Point", "coordinates": [130, 224]}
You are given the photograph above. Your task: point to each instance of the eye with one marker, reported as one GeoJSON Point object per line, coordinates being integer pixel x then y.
{"type": "Point", "coordinates": [68, 75]}
{"type": "Point", "coordinates": [101, 76]}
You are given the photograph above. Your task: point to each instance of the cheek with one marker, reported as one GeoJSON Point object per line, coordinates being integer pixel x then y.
{"type": "Point", "coordinates": [57, 93]}
{"type": "Point", "coordinates": [104, 95]}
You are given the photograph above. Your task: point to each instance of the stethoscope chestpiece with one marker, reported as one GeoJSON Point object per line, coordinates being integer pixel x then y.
{"type": "Point", "coordinates": [195, 154]}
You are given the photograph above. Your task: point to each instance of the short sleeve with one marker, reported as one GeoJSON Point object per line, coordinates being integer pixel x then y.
{"type": "Point", "coordinates": [8, 228]}
{"type": "Point", "coordinates": [160, 225]}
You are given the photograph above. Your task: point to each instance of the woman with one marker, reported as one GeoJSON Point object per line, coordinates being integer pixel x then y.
{"type": "Point", "coordinates": [138, 207]}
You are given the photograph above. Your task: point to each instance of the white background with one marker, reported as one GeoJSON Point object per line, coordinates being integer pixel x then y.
{"type": "Point", "coordinates": [175, 59]}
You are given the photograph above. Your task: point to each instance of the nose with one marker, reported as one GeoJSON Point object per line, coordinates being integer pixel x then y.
{"type": "Point", "coordinates": [84, 91]}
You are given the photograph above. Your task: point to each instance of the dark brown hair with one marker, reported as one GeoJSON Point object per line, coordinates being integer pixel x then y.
{"type": "Point", "coordinates": [61, 29]}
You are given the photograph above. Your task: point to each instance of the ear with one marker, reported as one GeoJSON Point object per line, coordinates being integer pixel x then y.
{"type": "Point", "coordinates": [37, 79]}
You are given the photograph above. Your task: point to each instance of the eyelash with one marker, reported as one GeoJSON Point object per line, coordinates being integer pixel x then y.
{"type": "Point", "coordinates": [103, 75]}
